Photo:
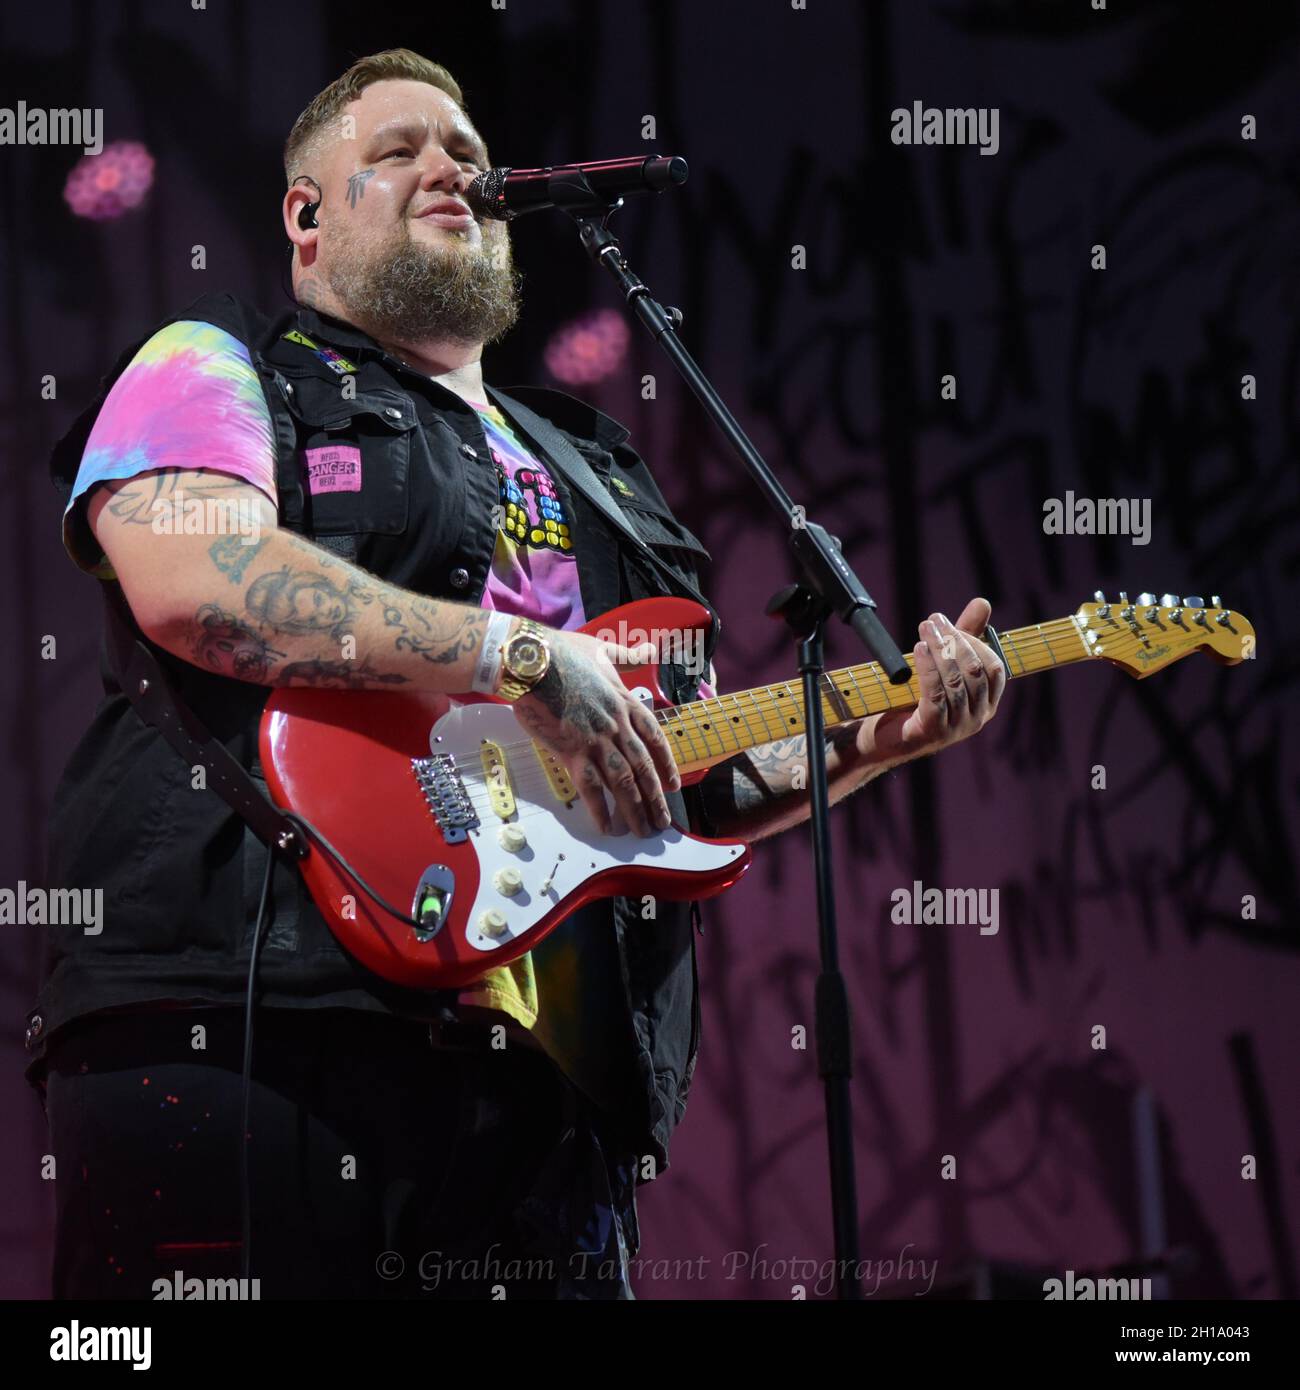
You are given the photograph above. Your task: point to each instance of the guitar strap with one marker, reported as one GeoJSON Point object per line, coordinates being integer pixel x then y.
{"type": "Point", "coordinates": [145, 684]}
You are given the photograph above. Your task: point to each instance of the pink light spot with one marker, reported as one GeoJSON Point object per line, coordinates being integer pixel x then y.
{"type": "Point", "coordinates": [589, 349]}
{"type": "Point", "coordinates": [115, 181]}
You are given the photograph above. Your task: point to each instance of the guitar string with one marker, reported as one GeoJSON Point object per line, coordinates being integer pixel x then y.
{"type": "Point", "coordinates": [762, 703]}
{"type": "Point", "coordinates": [537, 782]}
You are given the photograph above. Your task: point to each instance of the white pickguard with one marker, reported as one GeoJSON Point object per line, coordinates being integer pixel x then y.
{"type": "Point", "coordinates": [563, 844]}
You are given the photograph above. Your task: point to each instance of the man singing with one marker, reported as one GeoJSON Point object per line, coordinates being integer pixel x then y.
{"type": "Point", "coordinates": [404, 530]}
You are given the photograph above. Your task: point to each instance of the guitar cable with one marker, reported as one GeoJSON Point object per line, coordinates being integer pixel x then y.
{"type": "Point", "coordinates": [245, 1185]}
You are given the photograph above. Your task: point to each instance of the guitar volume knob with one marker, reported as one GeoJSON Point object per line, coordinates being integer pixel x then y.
{"type": "Point", "coordinates": [512, 838]}
{"type": "Point", "coordinates": [492, 923]}
{"type": "Point", "coordinates": [507, 882]}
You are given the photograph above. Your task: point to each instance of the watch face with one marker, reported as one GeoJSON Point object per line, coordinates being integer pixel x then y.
{"type": "Point", "coordinates": [526, 657]}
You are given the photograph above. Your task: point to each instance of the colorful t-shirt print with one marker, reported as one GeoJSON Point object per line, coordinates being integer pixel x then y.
{"type": "Point", "coordinates": [534, 573]}
{"type": "Point", "coordinates": [189, 398]}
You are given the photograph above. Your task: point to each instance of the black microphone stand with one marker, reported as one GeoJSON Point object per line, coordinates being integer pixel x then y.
{"type": "Point", "coordinates": [828, 586]}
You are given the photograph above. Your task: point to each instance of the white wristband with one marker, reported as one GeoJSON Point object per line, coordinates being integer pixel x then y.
{"type": "Point", "coordinates": [488, 675]}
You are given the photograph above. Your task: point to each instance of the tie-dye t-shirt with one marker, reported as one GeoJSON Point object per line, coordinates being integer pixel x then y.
{"type": "Point", "coordinates": [534, 571]}
{"type": "Point", "coordinates": [191, 398]}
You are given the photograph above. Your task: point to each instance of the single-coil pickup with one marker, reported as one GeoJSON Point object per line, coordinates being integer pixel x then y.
{"type": "Point", "coordinates": [445, 792]}
{"type": "Point", "coordinates": [497, 775]}
{"type": "Point", "coordinates": [556, 774]}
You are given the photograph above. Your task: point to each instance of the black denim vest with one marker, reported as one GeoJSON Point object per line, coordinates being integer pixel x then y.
{"type": "Point", "coordinates": [181, 873]}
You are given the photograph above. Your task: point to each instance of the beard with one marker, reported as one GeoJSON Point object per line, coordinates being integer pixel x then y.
{"type": "Point", "coordinates": [413, 291]}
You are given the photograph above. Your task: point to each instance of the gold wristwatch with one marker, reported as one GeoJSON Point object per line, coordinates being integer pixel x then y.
{"type": "Point", "coordinates": [525, 659]}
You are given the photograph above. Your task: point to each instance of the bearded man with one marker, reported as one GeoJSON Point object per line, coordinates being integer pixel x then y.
{"type": "Point", "coordinates": [411, 529]}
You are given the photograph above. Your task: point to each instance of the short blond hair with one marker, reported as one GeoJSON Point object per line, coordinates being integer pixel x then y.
{"type": "Point", "coordinates": [327, 105]}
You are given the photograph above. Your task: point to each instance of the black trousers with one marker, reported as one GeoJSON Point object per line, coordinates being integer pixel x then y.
{"type": "Point", "coordinates": [381, 1166]}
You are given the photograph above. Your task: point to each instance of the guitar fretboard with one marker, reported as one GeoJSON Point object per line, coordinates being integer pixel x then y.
{"type": "Point", "coordinates": [704, 730]}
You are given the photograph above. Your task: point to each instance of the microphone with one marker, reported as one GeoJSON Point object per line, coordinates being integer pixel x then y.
{"type": "Point", "coordinates": [508, 193]}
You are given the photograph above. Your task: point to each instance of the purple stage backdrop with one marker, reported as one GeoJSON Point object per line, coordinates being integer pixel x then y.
{"type": "Point", "coordinates": [930, 343]}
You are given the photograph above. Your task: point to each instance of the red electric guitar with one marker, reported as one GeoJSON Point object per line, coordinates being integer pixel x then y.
{"type": "Point", "coordinates": [448, 810]}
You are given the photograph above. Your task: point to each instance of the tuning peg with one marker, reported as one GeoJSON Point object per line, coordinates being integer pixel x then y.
{"type": "Point", "coordinates": [1193, 601]}
{"type": "Point", "coordinates": [1169, 600]}
{"type": "Point", "coordinates": [1215, 601]}
{"type": "Point", "coordinates": [1145, 600]}
{"type": "Point", "coordinates": [1123, 596]}
{"type": "Point", "coordinates": [1104, 610]}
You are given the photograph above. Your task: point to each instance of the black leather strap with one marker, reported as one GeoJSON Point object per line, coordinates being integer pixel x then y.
{"type": "Point", "coordinates": [145, 684]}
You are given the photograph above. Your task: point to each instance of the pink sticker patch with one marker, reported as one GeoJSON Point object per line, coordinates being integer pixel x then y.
{"type": "Point", "coordinates": [334, 468]}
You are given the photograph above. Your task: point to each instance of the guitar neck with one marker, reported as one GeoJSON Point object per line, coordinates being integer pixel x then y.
{"type": "Point", "coordinates": [705, 731]}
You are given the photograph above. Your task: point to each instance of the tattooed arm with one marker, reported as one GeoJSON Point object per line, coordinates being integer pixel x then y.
{"type": "Point", "coordinates": [765, 791]}
{"type": "Point", "coordinates": [211, 578]}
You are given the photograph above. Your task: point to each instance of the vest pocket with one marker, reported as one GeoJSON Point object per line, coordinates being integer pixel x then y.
{"type": "Point", "coordinates": [661, 529]}
{"type": "Point", "coordinates": [353, 455]}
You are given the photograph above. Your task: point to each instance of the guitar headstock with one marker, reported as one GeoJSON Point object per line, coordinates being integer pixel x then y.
{"type": "Point", "coordinates": [1147, 634]}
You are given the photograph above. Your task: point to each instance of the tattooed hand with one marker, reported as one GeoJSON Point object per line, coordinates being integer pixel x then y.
{"type": "Point", "coordinates": [605, 737]}
{"type": "Point", "coordinates": [961, 681]}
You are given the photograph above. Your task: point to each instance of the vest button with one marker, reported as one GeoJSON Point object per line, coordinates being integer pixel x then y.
{"type": "Point", "coordinates": [459, 578]}
{"type": "Point", "coordinates": [469, 451]}
{"type": "Point", "coordinates": [37, 1024]}
{"type": "Point", "coordinates": [393, 413]}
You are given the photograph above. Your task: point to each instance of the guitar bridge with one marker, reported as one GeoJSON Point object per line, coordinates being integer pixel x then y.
{"type": "Point", "coordinates": [443, 789]}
